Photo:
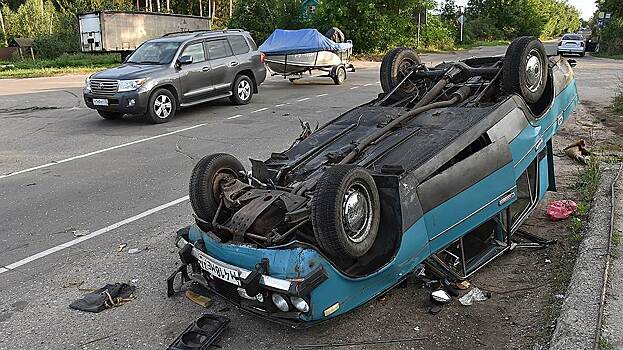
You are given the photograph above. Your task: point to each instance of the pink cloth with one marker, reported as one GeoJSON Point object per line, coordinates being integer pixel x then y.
{"type": "Point", "coordinates": [560, 210]}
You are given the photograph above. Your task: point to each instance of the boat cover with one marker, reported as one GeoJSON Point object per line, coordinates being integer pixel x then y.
{"type": "Point", "coordinates": [284, 42]}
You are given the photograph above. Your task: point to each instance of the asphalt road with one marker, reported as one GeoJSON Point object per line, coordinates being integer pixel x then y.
{"type": "Point", "coordinates": [63, 168]}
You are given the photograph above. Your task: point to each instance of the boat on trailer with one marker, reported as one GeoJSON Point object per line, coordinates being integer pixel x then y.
{"type": "Point", "coordinates": [293, 53]}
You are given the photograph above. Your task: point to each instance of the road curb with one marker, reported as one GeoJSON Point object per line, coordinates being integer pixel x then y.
{"type": "Point", "coordinates": [579, 320]}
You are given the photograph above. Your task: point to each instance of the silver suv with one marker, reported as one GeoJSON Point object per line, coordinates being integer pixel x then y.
{"type": "Point", "coordinates": [178, 70]}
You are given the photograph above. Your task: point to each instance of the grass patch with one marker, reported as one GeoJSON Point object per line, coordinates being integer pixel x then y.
{"type": "Point", "coordinates": [617, 103]}
{"type": "Point", "coordinates": [65, 64]}
{"type": "Point", "coordinates": [378, 56]}
{"type": "Point", "coordinates": [605, 344]}
{"type": "Point", "coordinates": [609, 55]}
{"type": "Point", "coordinates": [589, 180]}
{"type": "Point", "coordinates": [483, 43]}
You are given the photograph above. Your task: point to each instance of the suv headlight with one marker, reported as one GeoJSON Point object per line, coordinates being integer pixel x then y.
{"type": "Point", "coordinates": [130, 85]}
{"type": "Point", "coordinates": [87, 83]}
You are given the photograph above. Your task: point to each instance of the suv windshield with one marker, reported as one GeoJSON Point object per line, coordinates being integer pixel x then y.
{"type": "Point", "coordinates": [154, 53]}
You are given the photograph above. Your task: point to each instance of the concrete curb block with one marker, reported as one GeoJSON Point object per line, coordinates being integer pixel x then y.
{"type": "Point", "coordinates": [576, 327]}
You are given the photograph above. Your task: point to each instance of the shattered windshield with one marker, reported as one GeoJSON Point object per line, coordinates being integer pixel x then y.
{"type": "Point", "coordinates": [154, 53]}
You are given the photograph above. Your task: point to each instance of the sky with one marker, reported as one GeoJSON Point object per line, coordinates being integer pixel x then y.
{"type": "Point", "coordinates": [586, 7]}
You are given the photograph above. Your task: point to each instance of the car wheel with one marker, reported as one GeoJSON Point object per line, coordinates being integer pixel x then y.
{"type": "Point", "coordinates": [583, 54]}
{"type": "Point", "coordinates": [525, 70]}
{"type": "Point", "coordinates": [395, 66]}
{"type": "Point", "coordinates": [345, 211]}
{"type": "Point", "coordinates": [340, 75]}
{"type": "Point", "coordinates": [242, 90]}
{"type": "Point", "coordinates": [110, 115]}
{"type": "Point", "coordinates": [161, 106]}
{"type": "Point", "coordinates": [205, 184]}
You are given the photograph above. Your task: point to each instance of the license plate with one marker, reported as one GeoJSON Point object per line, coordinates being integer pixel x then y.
{"type": "Point", "coordinates": [219, 271]}
{"type": "Point", "coordinates": [100, 102]}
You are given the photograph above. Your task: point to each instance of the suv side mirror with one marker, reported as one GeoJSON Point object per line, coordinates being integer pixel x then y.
{"type": "Point", "coordinates": [186, 59]}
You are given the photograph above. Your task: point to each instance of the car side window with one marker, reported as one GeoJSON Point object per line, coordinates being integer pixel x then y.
{"type": "Point", "coordinates": [218, 49]}
{"type": "Point", "coordinates": [239, 45]}
{"type": "Point", "coordinates": [195, 51]}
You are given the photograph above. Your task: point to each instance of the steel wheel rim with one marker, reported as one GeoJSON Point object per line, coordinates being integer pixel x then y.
{"type": "Point", "coordinates": [534, 70]}
{"type": "Point", "coordinates": [357, 212]}
{"type": "Point", "coordinates": [163, 106]}
{"type": "Point", "coordinates": [403, 70]}
{"type": "Point", "coordinates": [244, 89]}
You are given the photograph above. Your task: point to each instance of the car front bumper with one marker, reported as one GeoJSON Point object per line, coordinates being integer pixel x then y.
{"type": "Point", "coordinates": [131, 102]}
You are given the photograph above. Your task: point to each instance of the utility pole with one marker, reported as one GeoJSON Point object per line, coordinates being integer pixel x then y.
{"type": "Point", "coordinates": [138, 5]}
{"type": "Point", "coordinates": [210, 8]}
{"type": "Point", "coordinates": [231, 8]}
{"type": "Point", "coordinates": [200, 9]}
{"type": "Point", "coordinates": [169, 6]}
{"type": "Point", "coordinates": [158, 5]}
{"type": "Point", "coordinates": [6, 43]}
{"type": "Point", "coordinates": [461, 21]}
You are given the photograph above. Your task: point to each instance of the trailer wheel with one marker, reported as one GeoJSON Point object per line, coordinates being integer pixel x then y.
{"type": "Point", "coordinates": [205, 183]}
{"type": "Point", "coordinates": [394, 68]}
{"type": "Point", "coordinates": [339, 76]}
{"type": "Point", "coordinates": [345, 211]}
{"type": "Point", "coordinates": [525, 70]}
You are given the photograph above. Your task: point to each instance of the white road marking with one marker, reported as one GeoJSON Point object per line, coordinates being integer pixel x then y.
{"type": "Point", "coordinates": [100, 151]}
{"type": "Point", "coordinates": [354, 87]}
{"type": "Point", "coordinates": [259, 110]}
{"type": "Point", "coordinates": [369, 84]}
{"type": "Point", "coordinates": [302, 99]}
{"type": "Point", "coordinates": [322, 95]}
{"type": "Point", "coordinates": [235, 116]}
{"type": "Point", "coordinates": [90, 236]}
{"type": "Point", "coordinates": [281, 105]}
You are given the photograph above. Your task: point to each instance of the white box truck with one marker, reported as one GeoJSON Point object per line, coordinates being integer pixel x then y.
{"type": "Point", "coordinates": [116, 31]}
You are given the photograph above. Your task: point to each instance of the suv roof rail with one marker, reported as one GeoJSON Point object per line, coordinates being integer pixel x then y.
{"type": "Point", "coordinates": [188, 32]}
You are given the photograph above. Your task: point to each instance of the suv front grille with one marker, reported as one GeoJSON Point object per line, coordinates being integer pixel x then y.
{"type": "Point", "coordinates": [103, 87]}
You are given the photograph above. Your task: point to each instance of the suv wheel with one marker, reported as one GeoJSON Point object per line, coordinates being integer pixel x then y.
{"type": "Point", "coordinates": [242, 90]}
{"type": "Point", "coordinates": [110, 115]}
{"type": "Point", "coordinates": [161, 106]}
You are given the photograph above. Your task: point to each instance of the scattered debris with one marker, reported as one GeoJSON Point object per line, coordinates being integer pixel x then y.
{"type": "Point", "coordinates": [434, 310]}
{"type": "Point", "coordinates": [440, 297]}
{"type": "Point", "coordinates": [121, 247]}
{"type": "Point", "coordinates": [449, 286]}
{"type": "Point", "coordinates": [73, 284]}
{"type": "Point", "coordinates": [30, 184]}
{"type": "Point", "coordinates": [548, 261]}
{"type": "Point", "coordinates": [464, 285]}
{"type": "Point", "coordinates": [559, 296]}
{"type": "Point", "coordinates": [80, 233]}
{"type": "Point", "coordinates": [562, 209]}
{"type": "Point", "coordinates": [134, 251]}
{"type": "Point", "coordinates": [201, 333]}
{"type": "Point", "coordinates": [578, 152]}
{"type": "Point", "coordinates": [111, 295]}
{"type": "Point", "coordinates": [474, 295]}
{"type": "Point", "coordinates": [198, 299]}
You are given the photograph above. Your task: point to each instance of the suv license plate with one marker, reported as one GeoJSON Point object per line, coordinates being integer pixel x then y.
{"type": "Point", "coordinates": [213, 268]}
{"type": "Point", "coordinates": [100, 102]}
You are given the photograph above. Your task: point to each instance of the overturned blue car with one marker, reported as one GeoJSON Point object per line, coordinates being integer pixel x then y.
{"type": "Point", "coordinates": [440, 169]}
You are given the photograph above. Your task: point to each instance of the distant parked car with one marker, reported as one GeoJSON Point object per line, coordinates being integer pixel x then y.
{"type": "Point", "coordinates": [178, 70]}
{"type": "Point", "coordinates": [572, 43]}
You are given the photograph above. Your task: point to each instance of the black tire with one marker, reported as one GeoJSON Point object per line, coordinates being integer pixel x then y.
{"type": "Point", "coordinates": [206, 177]}
{"type": "Point", "coordinates": [523, 55]}
{"type": "Point", "coordinates": [162, 106]}
{"type": "Point", "coordinates": [110, 115]}
{"type": "Point", "coordinates": [393, 69]}
{"type": "Point", "coordinates": [583, 54]}
{"type": "Point", "coordinates": [242, 90]}
{"type": "Point", "coordinates": [339, 76]}
{"type": "Point", "coordinates": [328, 209]}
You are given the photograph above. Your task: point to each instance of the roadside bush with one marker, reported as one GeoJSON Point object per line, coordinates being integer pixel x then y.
{"type": "Point", "coordinates": [612, 37]}
{"type": "Point", "coordinates": [55, 45]}
{"type": "Point", "coordinates": [65, 60]}
{"type": "Point", "coordinates": [262, 17]}
{"type": "Point", "coordinates": [481, 29]}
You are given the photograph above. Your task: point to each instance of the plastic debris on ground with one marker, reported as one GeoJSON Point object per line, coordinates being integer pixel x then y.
{"type": "Point", "coordinates": [134, 251]}
{"type": "Point", "coordinates": [198, 299]}
{"type": "Point", "coordinates": [201, 333]}
{"type": "Point", "coordinates": [474, 295]}
{"type": "Point", "coordinates": [109, 296]}
{"type": "Point", "coordinates": [578, 152]}
{"type": "Point", "coordinates": [121, 247]}
{"type": "Point", "coordinates": [440, 297]}
{"type": "Point", "coordinates": [561, 209]}
{"type": "Point", "coordinates": [80, 233]}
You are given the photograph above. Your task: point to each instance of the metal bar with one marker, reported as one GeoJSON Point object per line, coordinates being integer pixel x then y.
{"type": "Point", "coordinates": [395, 88]}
